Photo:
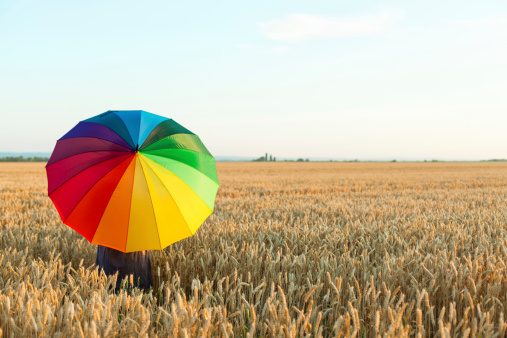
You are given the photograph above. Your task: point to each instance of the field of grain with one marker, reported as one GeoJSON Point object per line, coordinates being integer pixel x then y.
{"type": "Point", "coordinates": [292, 250]}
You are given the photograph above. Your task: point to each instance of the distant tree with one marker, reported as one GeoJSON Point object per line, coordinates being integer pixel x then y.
{"type": "Point", "coordinates": [300, 160]}
{"type": "Point", "coordinates": [270, 158]}
{"type": "Point", "coordinates": [274, 159]}
{"type": "Point", "coordinates": [260, 159]}
{"type": "Point", "coordinates": [266, 157]}
{"type": "Point", "coordinates": [393, 161]}
{"type": "Point", "coordinates": [307, 160]}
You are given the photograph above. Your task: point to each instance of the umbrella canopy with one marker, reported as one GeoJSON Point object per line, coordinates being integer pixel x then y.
{"type": "Point", "coordinates": [131, 180]}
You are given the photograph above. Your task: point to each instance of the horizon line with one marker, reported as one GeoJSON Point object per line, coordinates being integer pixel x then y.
{"type": "Point", "coordinates": [244, 158]}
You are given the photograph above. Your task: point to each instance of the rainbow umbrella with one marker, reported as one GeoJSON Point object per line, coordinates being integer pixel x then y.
{"type": "Point", "coordinates": [131, 180]}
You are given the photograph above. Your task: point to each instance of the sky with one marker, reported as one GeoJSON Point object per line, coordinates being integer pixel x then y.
{"type": "Point", "coordinates": [317, 79]}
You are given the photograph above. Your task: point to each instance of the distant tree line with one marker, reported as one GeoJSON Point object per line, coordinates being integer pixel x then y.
{"type": "Point", "coordinates": [270, 158]}
{"type": "Point", "coordinates": [23, 159]}
{"type": "Point", "coordinates": [265, 158]}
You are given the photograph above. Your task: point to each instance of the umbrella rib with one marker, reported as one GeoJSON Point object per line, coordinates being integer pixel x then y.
{"type": "Point", "coordinates": [86, 167]}
{"type": "Point", "coordinates": [70, 213]}
{"type": "Point", "coordinates": [176, 204]}
{"type": "Point", "coordinates": [152, 207]}
{"type": "Point", "coordinates": [200, 172]}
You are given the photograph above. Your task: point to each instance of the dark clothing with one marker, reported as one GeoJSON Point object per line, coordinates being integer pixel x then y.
{"type": "Point", "coordinates": [131, 263]}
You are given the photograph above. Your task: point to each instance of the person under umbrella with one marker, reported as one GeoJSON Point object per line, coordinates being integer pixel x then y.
{"type": "Point", "coordinates": [137, 264]}
{"type": "Point", "coordinates": [131, 181]}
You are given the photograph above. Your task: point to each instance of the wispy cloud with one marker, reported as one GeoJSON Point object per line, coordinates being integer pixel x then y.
{"type": "Point", "coordinates": [298, 27]}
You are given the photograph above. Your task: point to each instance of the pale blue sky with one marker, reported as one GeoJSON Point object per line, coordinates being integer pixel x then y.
{"type": "Point", "coordinates": [364, 79]}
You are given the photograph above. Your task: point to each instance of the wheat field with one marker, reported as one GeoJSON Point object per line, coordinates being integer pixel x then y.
{"type": "Point", "coordinates": [292, 250]}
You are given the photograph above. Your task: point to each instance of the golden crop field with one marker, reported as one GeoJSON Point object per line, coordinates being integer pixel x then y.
{"type": "Point", "coordinates": [292, 250]}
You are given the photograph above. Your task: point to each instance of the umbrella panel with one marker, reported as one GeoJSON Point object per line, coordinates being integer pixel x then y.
{"type": "Point", "coordinates": [142, 230]}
